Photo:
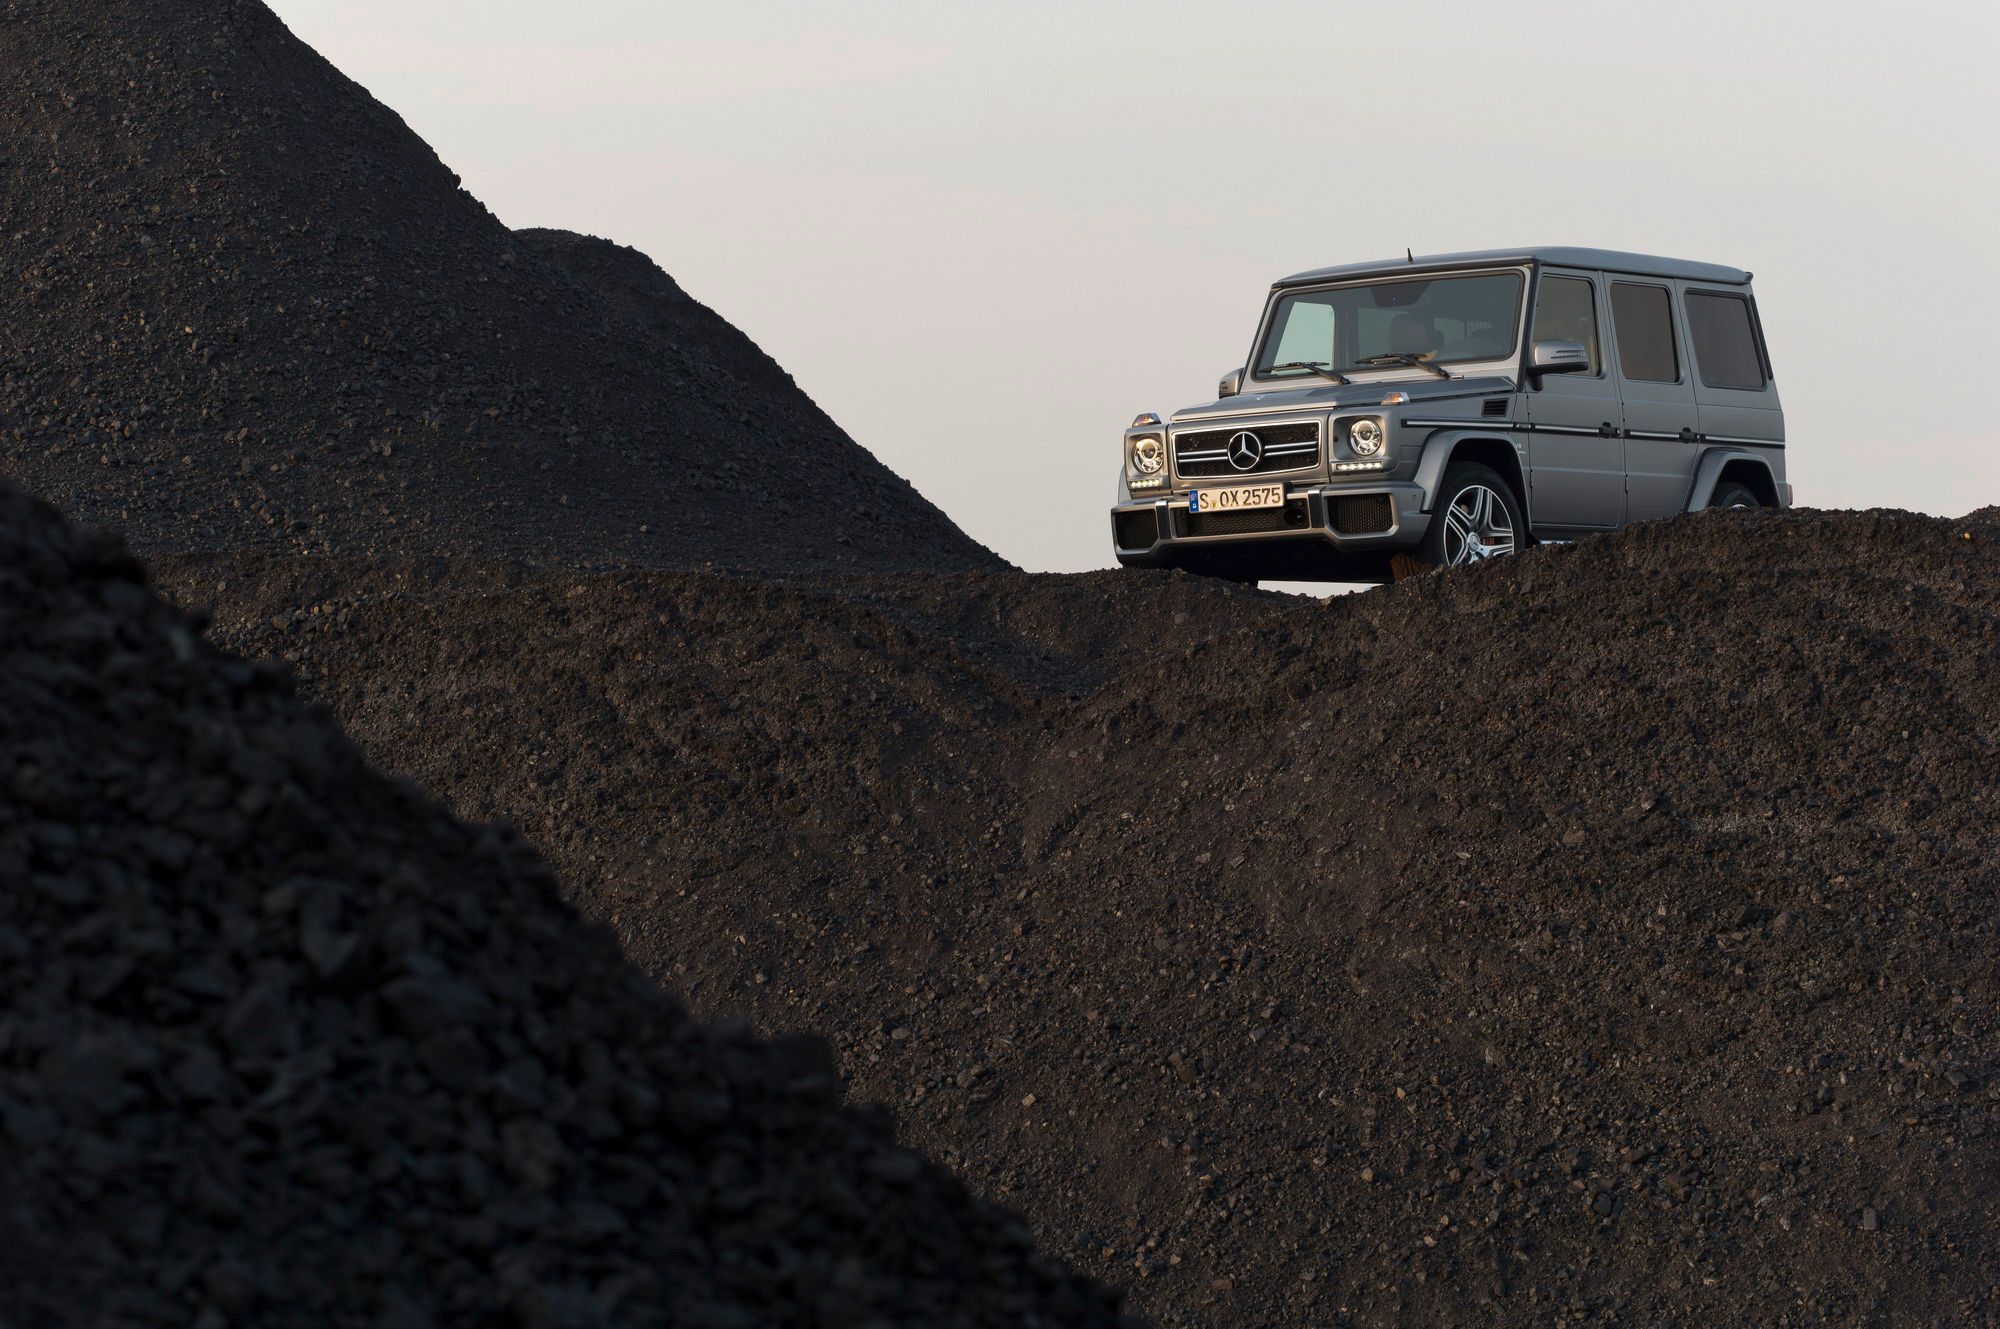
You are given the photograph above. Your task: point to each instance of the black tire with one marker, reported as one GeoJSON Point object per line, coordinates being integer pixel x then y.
{"type": "Point", "coordinates": [1729, 494]}
{"type": "Point", "coordinates": [1470, 526]}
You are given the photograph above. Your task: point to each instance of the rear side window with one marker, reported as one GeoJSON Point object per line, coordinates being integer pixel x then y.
{"type": "Point", "coordinates": [1566, 310]}
{"type": "Point", "coordinates": [1644, 318]}
{"type": "Point", "coordinates": [1725, 341]}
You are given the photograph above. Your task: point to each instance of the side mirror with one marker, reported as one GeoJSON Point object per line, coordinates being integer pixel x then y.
{"type": "Point", "coordinates": [1559, 357]}
{"type": "Point", "coordinates": [1231, 384]}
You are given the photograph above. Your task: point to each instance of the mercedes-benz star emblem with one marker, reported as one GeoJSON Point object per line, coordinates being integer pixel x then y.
{"type": "Point", "coordinates": [1245, 450]}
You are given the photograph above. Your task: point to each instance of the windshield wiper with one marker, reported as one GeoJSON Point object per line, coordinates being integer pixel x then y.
{"type": "Point", "coordinates": [1319, 367]}
{"type": "Point", "coordinates": [1403, 358]}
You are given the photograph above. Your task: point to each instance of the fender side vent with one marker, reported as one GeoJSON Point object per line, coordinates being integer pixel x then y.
{"type": "Point", "coordinates": [1493, 408]}
{"type": "Point", "coordinates": [1138, 529]}
{"type": "Point", "coordinates": [1363, 514]}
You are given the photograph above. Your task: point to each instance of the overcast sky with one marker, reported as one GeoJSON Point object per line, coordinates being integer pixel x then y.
{"type": "Point", "coordinates": [983, 236]}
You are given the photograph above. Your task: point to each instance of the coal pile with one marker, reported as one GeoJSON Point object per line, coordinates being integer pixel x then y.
{"type": "Point", "coordinates": [282, 1043]}
{"type": "Point", "coordinates": [634, 289]}
{"type": "Point", "coordinates": [244, 306]}
{"type": "Point", "coordinates": [1603, 936]}
{"type": "Point", "coordinates": [1606, 935]}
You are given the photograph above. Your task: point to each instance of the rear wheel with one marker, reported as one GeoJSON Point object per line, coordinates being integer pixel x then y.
{"type": "Point", "coordinates": [1477, 517]}
{"type": "Point", "coordinates": [1729, 494]}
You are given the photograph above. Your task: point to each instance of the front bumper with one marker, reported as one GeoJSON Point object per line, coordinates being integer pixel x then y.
{"type": "Point", "coordinates": [1332, 531]}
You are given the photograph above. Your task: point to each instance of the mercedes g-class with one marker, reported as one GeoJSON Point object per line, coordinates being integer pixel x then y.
{"type": "Point", "coordinates": [1457, 407]}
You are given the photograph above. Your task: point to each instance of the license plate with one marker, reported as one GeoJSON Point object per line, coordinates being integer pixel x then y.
{"type": "Point", "coordinates": [1237, 499]}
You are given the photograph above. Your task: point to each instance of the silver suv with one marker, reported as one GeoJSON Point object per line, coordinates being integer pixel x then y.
{"type": "Point", "coordinates": [1457, 407]}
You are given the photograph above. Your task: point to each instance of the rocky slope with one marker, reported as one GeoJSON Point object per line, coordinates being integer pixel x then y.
{"type": "Point", "coordinates": [1605, 935]}
{"type": "Point", "coordinates": [246, 307]}
{"type": "Point", "coordinates": [281, 1043]}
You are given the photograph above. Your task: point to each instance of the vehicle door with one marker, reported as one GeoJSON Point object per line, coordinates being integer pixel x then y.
{"type": "Point", "coordinates": [1735, 395]}
{"type": "Point", "coordinates": [1661, 442]}
{"type": "Point", "coordinates": [1576, 468]}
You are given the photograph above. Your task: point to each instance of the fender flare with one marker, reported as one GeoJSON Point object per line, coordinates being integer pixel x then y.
{"type": "Point", "coordinates": [1708, 471]}
{"type": "Point", "coordinates": [1442, 443]}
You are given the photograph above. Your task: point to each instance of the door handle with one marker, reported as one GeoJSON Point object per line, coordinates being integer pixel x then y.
{"type": "Point", "coordinates": [1689, 436]}
{"type": "Point", "coordinates": [1607, 430]}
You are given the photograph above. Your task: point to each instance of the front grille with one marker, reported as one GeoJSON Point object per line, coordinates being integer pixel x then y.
{"type": "Point", "coordinates": [1363, 514]}
{"type": "Point", "coordinates": [1291, 517]}
{"type": "Point", "coordinates": [1292, 447]}
{"type": "Point", "coordinates": [1137, 530]}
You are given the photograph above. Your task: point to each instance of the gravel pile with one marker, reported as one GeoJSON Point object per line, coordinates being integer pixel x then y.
{"type": "Point", "coordinates": [246, 307]}
{"type": "Point", "coordinates": [282, 1043]}
{"type": "Point", "coordinates": [1608, 935]}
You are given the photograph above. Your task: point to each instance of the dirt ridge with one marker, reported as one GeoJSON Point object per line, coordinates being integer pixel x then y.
{"type": "Point", "coordinates": [1605, 934]}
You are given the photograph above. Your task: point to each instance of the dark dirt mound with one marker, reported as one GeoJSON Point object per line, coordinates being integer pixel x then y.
{"type": "Point", "coordinates": [724, 361]}
{"type": "Point", "coordinates": [1605, 935]}
{"type": "Point", "coordinates": [281, 1043]}
{"type": "Point", "coordinates": [243, 305]}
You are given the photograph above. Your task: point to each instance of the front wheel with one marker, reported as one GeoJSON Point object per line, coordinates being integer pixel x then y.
{"type": "Point", "coordinates": [1476, 518]}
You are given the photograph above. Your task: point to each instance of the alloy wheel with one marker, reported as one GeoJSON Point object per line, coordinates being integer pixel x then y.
{"type": "Point", "coordinates": [1477, 527]}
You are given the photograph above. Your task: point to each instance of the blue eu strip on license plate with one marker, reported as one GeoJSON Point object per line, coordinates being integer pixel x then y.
{"type": "Point", "coordinates": [1194, 501]}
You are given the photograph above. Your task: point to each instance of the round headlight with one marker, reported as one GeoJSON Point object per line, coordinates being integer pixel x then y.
{"type": "Point", "coordinates": [1147, 455]}
{"type": "Point", "coordinates": [1366, 437]}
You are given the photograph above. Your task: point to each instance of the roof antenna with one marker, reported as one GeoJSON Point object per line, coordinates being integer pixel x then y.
{"type": "Point", "coordinates": [1407, 255]}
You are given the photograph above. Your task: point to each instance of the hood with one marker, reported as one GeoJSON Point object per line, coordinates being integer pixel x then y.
{"type": "Point", "coordinates": [1329, 396]}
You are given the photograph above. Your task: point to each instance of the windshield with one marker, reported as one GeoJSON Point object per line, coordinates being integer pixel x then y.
{"type": "Point", "coordinates": [1438, 320]}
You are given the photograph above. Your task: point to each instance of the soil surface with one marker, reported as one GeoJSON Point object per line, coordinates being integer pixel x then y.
{"type": "Point", "coordinates": [1604, 935]}
{"type": "Point", "coordinates": [243, 305]}
{"type": "Point", "coordinates": [282, 1043]}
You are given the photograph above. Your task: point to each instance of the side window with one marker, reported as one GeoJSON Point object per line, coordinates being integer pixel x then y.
{"type": "Point", "coordinates": [1644, 318]}
{"type": "Point", "coordinates": [1725, 341]}
{"type": "Point", "coordinates": [1566, 310]}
